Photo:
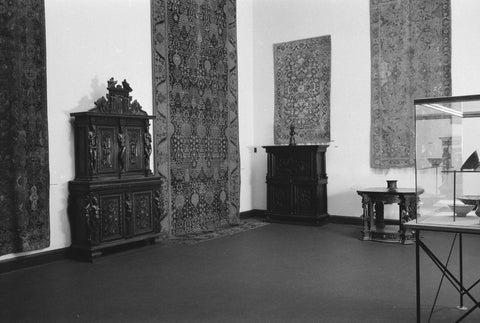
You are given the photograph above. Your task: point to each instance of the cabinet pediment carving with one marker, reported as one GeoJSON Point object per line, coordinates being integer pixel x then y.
{"type": "Point", "coordinates": [118, 100]}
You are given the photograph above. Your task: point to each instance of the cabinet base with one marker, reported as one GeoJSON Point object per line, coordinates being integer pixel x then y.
{"type": "Point", "coordinates": [389, 233]}
{"type": "Point", "coordinates": [296, 219]}
{"type": "Point", "coordinates": [89, 254]}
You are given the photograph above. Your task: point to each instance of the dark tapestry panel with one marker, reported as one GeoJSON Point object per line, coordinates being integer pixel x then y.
{"type": "Point", "coordinates": [24, 173]}
{"type": "Point", "coordinates": [302, 90]}
{"type": "Point", "coordinates": [411, 58]}
{"type": "Point", "coordinates": [195, 84]}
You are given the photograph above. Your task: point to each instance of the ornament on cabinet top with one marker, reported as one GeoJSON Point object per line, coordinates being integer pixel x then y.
{"type": "Point", "coordinates": [118, 100]}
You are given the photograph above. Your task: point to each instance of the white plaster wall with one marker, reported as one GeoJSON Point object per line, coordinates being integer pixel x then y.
{"type": "Point", "coordinates": [348, 23]}
{"type": "Point", "coordinates": [465, 47]}
{"type": "Point", "coordinates": [245, 99]}
{"type": "Point", "coordinates": [88, 42]}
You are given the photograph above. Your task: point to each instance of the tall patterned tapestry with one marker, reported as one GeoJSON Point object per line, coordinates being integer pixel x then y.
{"type": "Point", "coordinates": [411, 58]}
{"type": "Point", "coordinates": [302, 90]}
{"type": "Point", "coordinates": [195, 99]}
{"type": "Point", "coordinates": [24, 173]}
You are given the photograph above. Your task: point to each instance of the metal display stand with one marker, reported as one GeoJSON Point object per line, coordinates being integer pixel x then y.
{"type": "Point", "coordinates": [465, 225]}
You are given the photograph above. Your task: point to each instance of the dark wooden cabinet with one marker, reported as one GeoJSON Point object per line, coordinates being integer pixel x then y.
{"type": "Point", "coordinates": [296, 183]}
{"type": "Point", "coordinates": [114, 198]}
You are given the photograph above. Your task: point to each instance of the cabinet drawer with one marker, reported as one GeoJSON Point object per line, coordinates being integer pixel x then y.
{"type": "Point", "coordinates": [298, 164]}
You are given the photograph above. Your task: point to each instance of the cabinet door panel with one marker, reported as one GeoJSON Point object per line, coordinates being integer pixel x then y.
{"type": "Point", "coordinates": [302, 164]}
{"type": "Point", "coordinates": [281, 164]}
{"type": "Point", "coordinates": [304, 199]}
{"type": "Point", "coordinates": [142, 212]}
{"type": "Point", "coordinates": [111, 216]}
{"type": "Point", "coordinates": [279, 198]}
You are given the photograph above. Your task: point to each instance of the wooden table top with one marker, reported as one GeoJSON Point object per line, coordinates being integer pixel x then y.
{"type": "Point", "coordinates": [384, 190]}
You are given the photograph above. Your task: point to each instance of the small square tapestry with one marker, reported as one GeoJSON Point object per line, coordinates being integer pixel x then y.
{"type": "Point", "coordinates": [302, 90]}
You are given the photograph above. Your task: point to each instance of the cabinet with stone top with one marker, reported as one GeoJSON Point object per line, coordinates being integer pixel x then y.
{"type": "Point", "coordinates": [296, 183]}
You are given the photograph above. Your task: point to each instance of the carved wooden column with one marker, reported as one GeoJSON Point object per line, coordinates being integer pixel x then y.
{"type": "Point", "coordinates": [366, 217]}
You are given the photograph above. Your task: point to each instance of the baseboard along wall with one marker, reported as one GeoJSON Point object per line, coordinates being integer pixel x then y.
{"type": "Point", "coordinates": [41, 258]}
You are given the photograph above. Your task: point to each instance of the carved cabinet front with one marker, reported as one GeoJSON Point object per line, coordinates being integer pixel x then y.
{"type": "Point", "coordinates": [296, 183]}
{"type": "Point", "coordinates": [106, 214]}
{"type": "Point", "coordinates": [115, 198]}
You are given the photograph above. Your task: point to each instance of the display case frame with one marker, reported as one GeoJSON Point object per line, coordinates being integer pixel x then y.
{"type": "Point", "coordinates": [447, 168]}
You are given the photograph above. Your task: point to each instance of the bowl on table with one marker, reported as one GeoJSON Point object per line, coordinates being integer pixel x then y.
{"type": "Point", "coordinates": [461, 210]}
{"type": "Point", "coordinates": [470, 199]}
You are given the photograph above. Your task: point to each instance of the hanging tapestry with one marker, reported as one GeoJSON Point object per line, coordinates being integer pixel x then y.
{"type": "Point", "coordinates": [411, 58]}
{"type": "Point", "coordinates": [24, 173]}
{"type": "Point", "coordinates": [302, 90]}
{"type": "Point", "coordinates": [195, 101]}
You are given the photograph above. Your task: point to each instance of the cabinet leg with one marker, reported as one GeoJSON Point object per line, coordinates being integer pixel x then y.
{"type": "Point", "coordinates": [95, 254]}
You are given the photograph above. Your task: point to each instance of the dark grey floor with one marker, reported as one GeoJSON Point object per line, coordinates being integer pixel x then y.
{"type": "Point", "coordinates": [276, 273]}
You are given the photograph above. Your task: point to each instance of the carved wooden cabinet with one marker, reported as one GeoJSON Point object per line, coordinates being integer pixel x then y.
{"type": "Point", "coordinates": [115, 198]}
{"type": "Point", "coordinates": [296, 183]}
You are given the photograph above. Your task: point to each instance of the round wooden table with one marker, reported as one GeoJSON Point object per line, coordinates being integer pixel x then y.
{"type": "Point", "coordinates": [373, 221]}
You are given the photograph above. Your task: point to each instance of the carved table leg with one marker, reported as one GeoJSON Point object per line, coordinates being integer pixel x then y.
{"type": "Point", "coordinates": [407, 208]}
{"type": "Point", "coordinates": [366, 218]}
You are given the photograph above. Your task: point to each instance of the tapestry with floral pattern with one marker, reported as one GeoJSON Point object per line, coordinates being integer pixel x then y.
{"type": "Point", "coordinates": [411, 58]}
{"type": "Point", "coordinates": [195, 102]}
{"type": "Point", "coordinates": [24, 170]}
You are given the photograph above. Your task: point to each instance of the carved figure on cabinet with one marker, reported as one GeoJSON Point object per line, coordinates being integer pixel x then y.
{"type": "Point", "coordinates": [92, 149]}
{"type": "Point", "coordinates": [92, 217]}
{"type": "Point", "coordinates": [126, 86]}
{"type": "Point", "coordinates": [101, 104]}
{"type": "Point", "coordinates": [122, 149]}
{"type": "Point", "coordinates": [111, 83]}
{"type": "Point", "coordinates": [136, 108]}
{"type": "Point", "coordinates": [147, 144]}
{"type": "Point", "coordinates": [128, 216]}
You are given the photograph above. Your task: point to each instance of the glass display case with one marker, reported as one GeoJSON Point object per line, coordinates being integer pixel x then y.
{"type": "Point", "coordinates": [447, 170]}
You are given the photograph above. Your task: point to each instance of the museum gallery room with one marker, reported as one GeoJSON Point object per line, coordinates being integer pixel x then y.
{"type": "Point", "coordinates": [239, 161]}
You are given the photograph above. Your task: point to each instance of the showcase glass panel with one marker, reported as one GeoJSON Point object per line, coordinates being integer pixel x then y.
{"type": "Point", "coordinates": [447, 133]}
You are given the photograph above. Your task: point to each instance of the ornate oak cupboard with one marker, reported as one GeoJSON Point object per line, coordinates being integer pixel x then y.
{"type": "Point", "coordinates": [296, 183]}
{"type": "Point", "coordinates": [114, 198]}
